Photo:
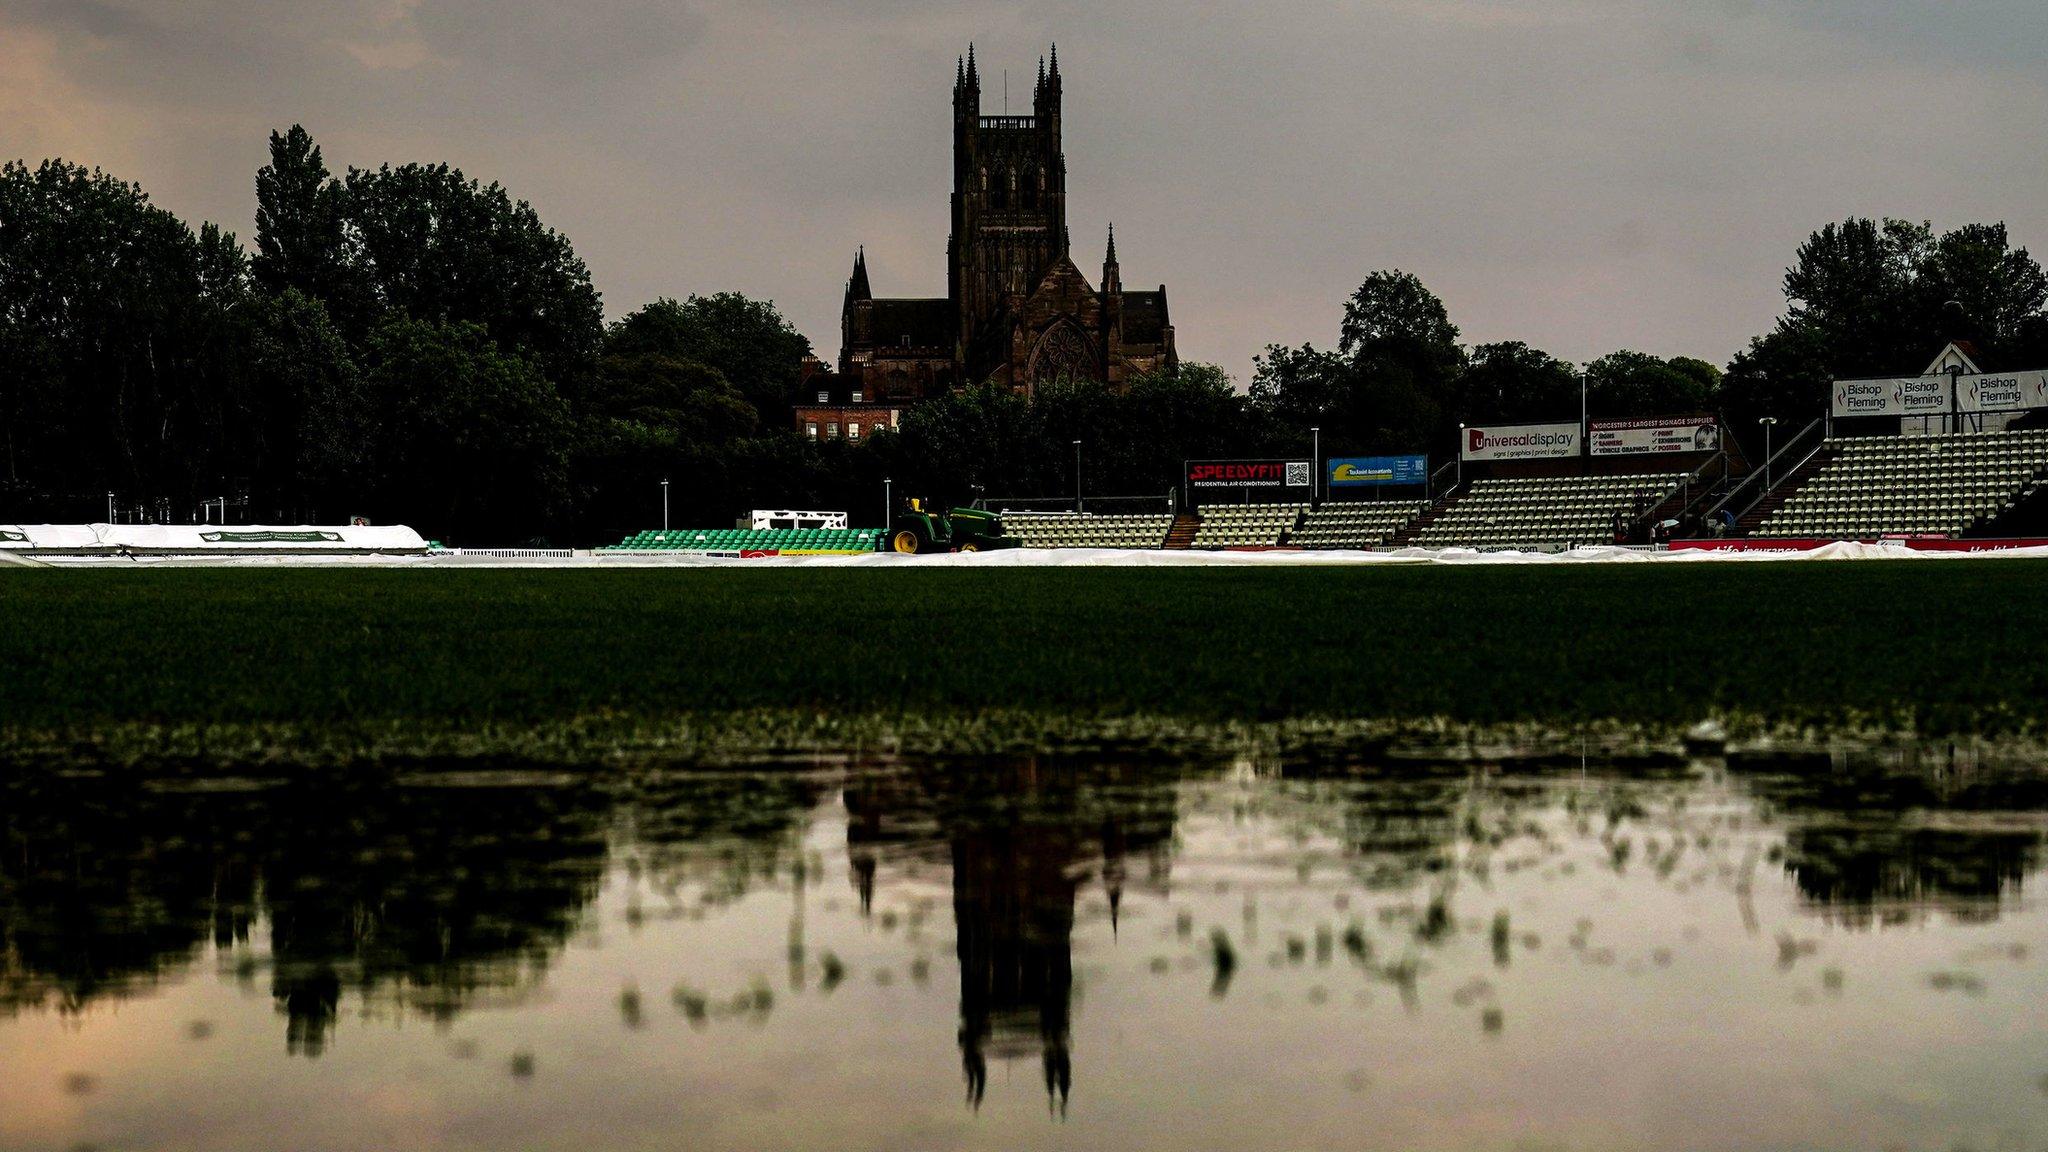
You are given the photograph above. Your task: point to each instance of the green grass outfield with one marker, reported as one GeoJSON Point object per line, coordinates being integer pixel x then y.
{"type": "Point", "coordinates": [254, 662]}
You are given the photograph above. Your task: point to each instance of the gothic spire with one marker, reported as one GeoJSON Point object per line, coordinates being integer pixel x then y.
{"type": "Point", "coordinates": [1055, 61]}
{"type": "Point", "coordinates": [857, 287]}
{"type": "Point", "coordinates": [973, 76]}
{"type": "Point", "coordinates": [1109, 258]}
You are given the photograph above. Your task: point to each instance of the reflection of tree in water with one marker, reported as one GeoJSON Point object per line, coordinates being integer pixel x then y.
{"type": "Point", "coordinates": [437, 897]}
{"type": "Point", "coordinates": [103, 889]}
{"type": "Point", "coordinates": [1399, 826]}
{"type": "Point", "coordinates": [1888, 840]}
{"type": "Point", "coordinates": [728, 832]}
{"type": "Point", "coordinates": [436, 894]}
{"type": "Point", "coordinates": [1023, 837]}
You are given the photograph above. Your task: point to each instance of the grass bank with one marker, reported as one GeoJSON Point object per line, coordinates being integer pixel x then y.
{"type": "Point", "coordinates": [576, 663]}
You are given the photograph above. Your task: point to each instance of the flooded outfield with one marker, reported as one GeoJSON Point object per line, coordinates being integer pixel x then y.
{"type": "Point", "coordinates": [1032, 953]}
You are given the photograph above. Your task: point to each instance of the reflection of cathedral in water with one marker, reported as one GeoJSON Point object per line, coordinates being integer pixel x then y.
{"type": "Point", "coordinates": [1023, 839]}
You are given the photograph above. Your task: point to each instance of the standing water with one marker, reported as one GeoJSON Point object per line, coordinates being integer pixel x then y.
{"type": "Point", "coordinates": [1032, 953]}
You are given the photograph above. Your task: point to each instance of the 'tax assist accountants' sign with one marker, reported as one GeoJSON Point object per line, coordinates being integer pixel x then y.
{"type": "Point", "coordinates": [1931, 395]}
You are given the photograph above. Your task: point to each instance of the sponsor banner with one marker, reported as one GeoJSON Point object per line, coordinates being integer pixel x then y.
{"type": "Point", "coordinates": [1218, 475]}
{"type": "Point", "coordinates": [2002, 392]}
{"type": "Point", "coordinates": [1372, 471]}
{"type": "Point", "coordinates": [1805, 544]}
{"type": "Point", "coordinates": [1656, 436]}
{"type": "Point", "coordinates": [1892, 396]}
{"type": "Point", "coordinates": [1930, 395]}
{"type": "Point", "coordinates": [1521, 442]}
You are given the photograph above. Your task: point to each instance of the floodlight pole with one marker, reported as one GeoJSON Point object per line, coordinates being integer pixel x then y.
{"type": "Point", "coordinates": [1460, 481]}
{"type": "Point", "coordinates": [110, 507]}
{"type": "Point", "coordinates": [1079, 507]}
{"type": "Point", "coordinates": [1768, 422]}
{"type": "Point", "coordinates": [888, 505]}
{"type": "Point", "coordinates": [664, 504]}
{"type": "Point", "coordinates": [1315, 480]}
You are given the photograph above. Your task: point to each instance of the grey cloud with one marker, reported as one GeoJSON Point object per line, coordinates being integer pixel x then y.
{"type": "Point", "coordinates": [1581, 174]}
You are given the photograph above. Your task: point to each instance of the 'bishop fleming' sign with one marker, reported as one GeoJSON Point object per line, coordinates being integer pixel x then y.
{"type": "Point", "coordinates": [1938, 395]}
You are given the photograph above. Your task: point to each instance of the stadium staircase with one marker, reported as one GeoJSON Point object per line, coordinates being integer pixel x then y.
{"type": "Point", "coordinates": [1782, 491]}
{"type": "Point", "coordinates": [1405, 537]}
{"type": "Point", "coordinates": [1182, 535]}
{"type": "Point", "coordinates": [1693, 496]}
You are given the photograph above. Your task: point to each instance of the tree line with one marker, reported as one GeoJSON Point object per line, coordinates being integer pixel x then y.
{"type": "Point", "coordinates": [410, 344]}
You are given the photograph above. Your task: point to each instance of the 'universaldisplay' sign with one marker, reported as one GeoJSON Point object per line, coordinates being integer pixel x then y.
{"type": "Point", "coordinates": [1521, 442]}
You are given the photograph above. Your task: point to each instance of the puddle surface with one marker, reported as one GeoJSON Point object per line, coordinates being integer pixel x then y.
{"type": "Point", "coordinates": [1816, 953]}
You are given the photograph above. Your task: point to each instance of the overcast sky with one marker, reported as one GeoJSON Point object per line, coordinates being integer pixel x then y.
{"type": "Point", "coordinates": [1585, 175]}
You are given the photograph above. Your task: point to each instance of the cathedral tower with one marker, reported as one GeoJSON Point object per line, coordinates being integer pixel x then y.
{"type": "Point", "coordinates": [1009, 209]}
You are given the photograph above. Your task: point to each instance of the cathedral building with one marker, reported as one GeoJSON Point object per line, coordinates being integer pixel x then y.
{"type": "Point", "coordinates": [1017, 310]}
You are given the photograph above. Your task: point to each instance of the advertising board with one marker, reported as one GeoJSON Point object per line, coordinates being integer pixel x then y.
{"type": "Point", "coordinates": [1373, 471]}
{"type": "Point", "coordinates": [1656, 436]}
{"type": "Point", "coordinates": [1931, 395]}
{"type": "Point", "coordinates": [1520, 442]}
{"type": "Point", "coordinates": [1233, 481]}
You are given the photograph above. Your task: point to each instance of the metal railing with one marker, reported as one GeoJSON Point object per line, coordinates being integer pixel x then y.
{"type": "Point", "coordinates": [1706, 490]}
{"type": "Point", "coordinates": [1064, 505]}
{"type": "Point", "coordinates": [516, 553]}
{"type": "Point", "coordinates": [1436, 490]}
{"type": "Point", "coordinates": [1766, 479]}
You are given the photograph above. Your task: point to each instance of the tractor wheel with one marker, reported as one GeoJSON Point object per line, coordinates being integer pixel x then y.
{"type": "Point", "coordinates": [907, 542]}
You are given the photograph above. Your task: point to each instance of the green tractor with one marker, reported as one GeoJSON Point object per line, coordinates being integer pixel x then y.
{"type": "Point", "coordinates": [961, 530]}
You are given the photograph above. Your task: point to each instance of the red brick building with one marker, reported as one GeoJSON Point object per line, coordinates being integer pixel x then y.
{"type": "Point", "coordinates": [1017, 310]}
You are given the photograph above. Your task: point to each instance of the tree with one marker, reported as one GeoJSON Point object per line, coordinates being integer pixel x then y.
{"type": "Point", "coordinates": [1630, 385]}
{"type": "Point", "coordinates": [310, 425]}
{"type": "Point", "coordinates": [746, 341]}
{"type": "Point", "coordinates": [1299, 386]}
{"type": "Point", "coordinates": [1392, 311]}
{"type": "Point", "coordinates": [1405, 361]}
{"type": "Point", "coordinates": [1986, 291]}
{"type": "Point", "coordinates": [471, 438]}
{"type": "Point", "coordinates": [301, 243]}
{"type": "Point", "coordinates": [1853, 285]}
{"type": "Point", "coordinates": [1870, 299]}
{"type": "Point", "coordinates": [109, 307]}
{"type": "Point", "coordinates": [1512, 383]}
{"type": "Point", "coordinates": [438, 247]}
{"type": "Point", "coordinates": [1784, 374]}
